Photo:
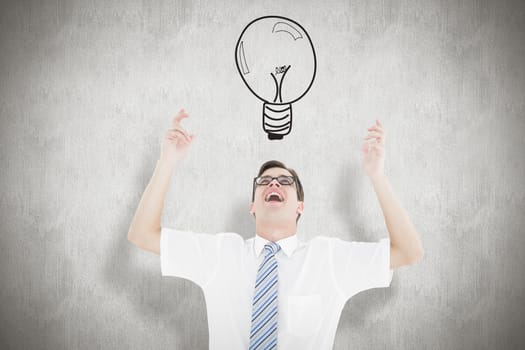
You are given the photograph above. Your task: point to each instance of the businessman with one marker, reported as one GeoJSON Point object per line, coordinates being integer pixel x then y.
{"type": "Point", "coordinates": [274, 291]}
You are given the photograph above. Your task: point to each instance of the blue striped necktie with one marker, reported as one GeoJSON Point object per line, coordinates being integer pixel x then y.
{"type": "Point", "coordinates": [263, 333]}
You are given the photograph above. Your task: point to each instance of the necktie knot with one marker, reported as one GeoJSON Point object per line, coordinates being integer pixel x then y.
{"type": "Point", "coordinates": [271, 248]}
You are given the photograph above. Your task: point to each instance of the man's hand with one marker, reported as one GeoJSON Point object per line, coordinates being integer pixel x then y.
{"type": "Point", "coordinates": [177, 141]}
{"type": "Point", "coordinates": [374, 151]}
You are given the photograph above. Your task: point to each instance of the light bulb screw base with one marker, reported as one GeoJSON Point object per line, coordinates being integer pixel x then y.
{"type": "Point", "coordinates": [277, 120]}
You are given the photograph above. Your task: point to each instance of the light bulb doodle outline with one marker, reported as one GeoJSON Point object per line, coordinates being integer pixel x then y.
{"type": "Point", "coordinates": [277, 110]}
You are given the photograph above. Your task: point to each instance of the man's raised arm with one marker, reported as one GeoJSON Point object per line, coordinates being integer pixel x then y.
{"type": "Point", "coordinates": [144, 231]}
{"type": "Point", "coordinates": [405, 244]}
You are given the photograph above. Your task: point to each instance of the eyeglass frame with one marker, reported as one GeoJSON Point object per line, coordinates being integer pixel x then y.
{"type": "Point", "coordinates": [274, 178]}
{"type": "Point", "coordinates": [255, 184]}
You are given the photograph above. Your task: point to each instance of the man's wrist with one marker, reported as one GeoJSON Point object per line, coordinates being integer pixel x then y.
{"type": "Point", "coordinates": [167, 162]}
{"type": "Point", "coordinates": [378, 179]}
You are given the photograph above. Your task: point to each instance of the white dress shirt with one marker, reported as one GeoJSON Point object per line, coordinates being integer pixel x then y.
{"type": "Point", "coordinates": [316, 279]}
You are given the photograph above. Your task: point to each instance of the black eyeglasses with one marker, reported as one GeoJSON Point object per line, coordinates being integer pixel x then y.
{"type": "Point", "coordinates": [281, 179]}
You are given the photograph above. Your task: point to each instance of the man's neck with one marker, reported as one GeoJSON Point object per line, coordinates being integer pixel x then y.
{"type": "Point", "coordinates": [274, 233]}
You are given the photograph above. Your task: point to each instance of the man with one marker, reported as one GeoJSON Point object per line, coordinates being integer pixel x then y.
{"type": "Point", "coordinates": [274, 291]}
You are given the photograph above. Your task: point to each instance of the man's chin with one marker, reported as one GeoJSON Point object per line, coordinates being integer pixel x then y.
{"type": "Point", "coordinates": [274, 215]}
{"type": "Point", "coordinates": [274, 204]}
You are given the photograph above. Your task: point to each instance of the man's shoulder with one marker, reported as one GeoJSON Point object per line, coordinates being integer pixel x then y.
{"type": "Point", "coordinates": [321, 240]}
{"type": "Point", "coordinates": [220, 236]}
{"type": "Point", "coordinates": [325, 242]}
{"type": "Point", "coordinates": [229, 237]}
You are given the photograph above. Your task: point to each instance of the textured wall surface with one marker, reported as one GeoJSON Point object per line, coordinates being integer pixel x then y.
{"type": "Point", "coordinates": [87, 89]}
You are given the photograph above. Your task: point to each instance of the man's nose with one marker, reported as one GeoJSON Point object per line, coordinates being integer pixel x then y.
{"type": "Point", "coordinates": [274, 182]}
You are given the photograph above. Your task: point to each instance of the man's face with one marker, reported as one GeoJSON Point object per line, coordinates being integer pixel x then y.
{"type": "Point", "coordinates": [276, 202]}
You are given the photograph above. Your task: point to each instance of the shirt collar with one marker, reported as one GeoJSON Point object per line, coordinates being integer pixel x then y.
{"type": "Point", "coordinates": [288, 244]}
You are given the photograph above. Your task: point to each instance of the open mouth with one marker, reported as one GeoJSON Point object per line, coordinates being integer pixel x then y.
{"type": "Point", "coordinates": [273, 197]}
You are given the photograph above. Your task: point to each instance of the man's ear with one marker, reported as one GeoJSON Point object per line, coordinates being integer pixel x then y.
{"type": "Point", "coordinates": [251, 209]}
{"type": "Point", "coordinates": [300, 207]}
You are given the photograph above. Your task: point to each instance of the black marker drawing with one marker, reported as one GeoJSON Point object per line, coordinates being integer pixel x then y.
{"type": "Point", "coordinates": [276, 59]}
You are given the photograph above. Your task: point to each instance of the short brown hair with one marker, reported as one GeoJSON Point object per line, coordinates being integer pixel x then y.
{"type": "Point", "coordinates": [277, 164]}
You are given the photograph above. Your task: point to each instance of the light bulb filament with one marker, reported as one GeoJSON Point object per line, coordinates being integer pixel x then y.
{"type": "Point", "coordinates": [279, 85]}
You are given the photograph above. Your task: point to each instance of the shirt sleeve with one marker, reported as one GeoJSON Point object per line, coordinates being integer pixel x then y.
{"type": "Point", "coordinates": [359, 266]}
{"type": "Point", "coordinates": [193, 256]}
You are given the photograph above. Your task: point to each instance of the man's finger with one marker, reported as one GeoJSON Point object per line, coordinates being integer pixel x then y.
{"type": "Point", "coordinates": [374, 134]}
{"type": "Point", "coordinates": [375, 140]}
{"type": "Point", "coordinates": [179, 118]}
{"type": "Point", "coordinates": [182, 114]}
{"type": "Point", "coordinates": [375, 127]}
{"type": "Point", "coordinates": [177, 130]}
{"type": "Point", "coordinates": [180, 131]}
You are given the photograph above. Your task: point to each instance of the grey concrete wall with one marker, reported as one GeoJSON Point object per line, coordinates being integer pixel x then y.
{"type": "Point", "coordinates": [87, 90]}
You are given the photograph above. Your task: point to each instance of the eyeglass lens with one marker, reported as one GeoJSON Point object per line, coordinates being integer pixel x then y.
{"type": "Point", "coordinates": [283, 180]}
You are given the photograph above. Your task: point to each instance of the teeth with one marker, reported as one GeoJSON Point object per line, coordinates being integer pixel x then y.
{"type": "Point", "coordinates": [273, 193]}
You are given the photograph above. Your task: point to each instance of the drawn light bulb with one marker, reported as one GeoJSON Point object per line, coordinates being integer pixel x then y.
{"type": "Point", "coordinates": [276, 59]}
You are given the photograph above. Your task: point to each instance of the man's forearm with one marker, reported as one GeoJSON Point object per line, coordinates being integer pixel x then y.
{"type": "Point", "coordinates": [148, 214]}
{"type": "Point", "coordinates": [403, 235]}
